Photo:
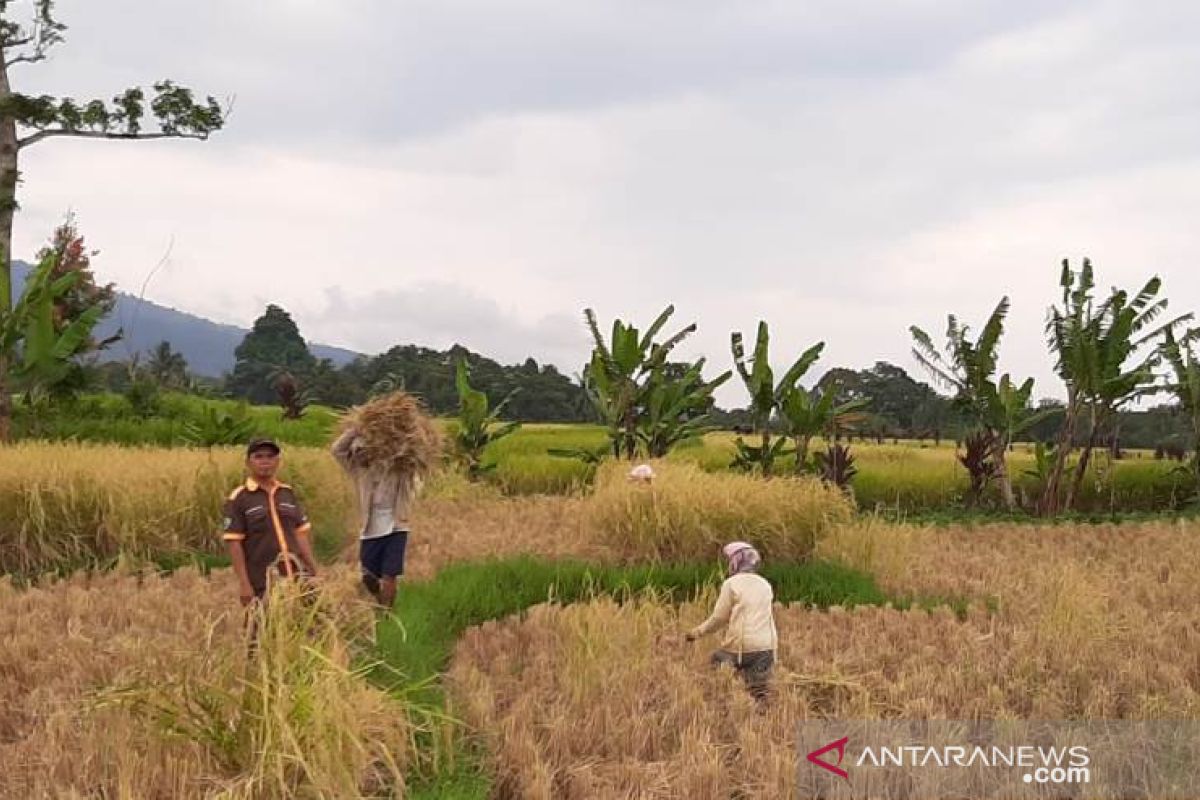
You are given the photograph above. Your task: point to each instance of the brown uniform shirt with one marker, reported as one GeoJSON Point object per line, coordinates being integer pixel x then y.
{"type": "Point", "coordinates": [266, 522]}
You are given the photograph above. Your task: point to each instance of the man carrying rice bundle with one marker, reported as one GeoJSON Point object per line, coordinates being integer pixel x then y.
{"type": "Point", "coordinates": [386, 447]}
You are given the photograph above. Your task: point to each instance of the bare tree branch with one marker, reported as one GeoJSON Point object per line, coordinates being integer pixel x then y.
{"type": "Point", "coordinates": [25, 59]}
{"type": "Point", "coordinates": [45, 134]}
{"type": "Point", "coordinates": [162, 262]}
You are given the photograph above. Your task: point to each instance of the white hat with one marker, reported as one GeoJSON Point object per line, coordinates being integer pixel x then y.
{"type": "Point", "coordinates": [642, 472]}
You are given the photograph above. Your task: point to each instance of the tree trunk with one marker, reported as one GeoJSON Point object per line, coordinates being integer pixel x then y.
{"type": "Point", "coordinates": [630, 433]}
{"type": "Point", "coordinates": [8, 205]}
{"type": "Point", "coordinates": [801, 453]}
{"type": "Point", "coordinates": [1084, 459]}
{"type": "Point", "coordinates": [766, 446]}
{"type": "Point", "coordinates": [1049, 502]}
{"type": "Point", "coordinates": [1006, 489]}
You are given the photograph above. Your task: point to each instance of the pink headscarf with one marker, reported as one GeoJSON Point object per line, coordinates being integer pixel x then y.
{"type": "Point", "coordinates": [741, 557]}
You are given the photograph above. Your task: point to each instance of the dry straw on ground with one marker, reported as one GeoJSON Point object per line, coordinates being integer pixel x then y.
{"type": "Point", "coordinates": [605, 701]}
{"type": "Point", "coordinates": [138, 687]}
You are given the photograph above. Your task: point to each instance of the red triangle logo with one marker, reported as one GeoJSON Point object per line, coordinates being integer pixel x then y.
{"type": "Point", "coordinates": [840, 746]}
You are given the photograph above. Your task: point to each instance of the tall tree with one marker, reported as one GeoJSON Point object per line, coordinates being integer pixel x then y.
{"type": "Point", "coordinates": [167, 367]}
{"type": "Point", "coordinates": [26, 120]}
{"type": "Point", "coordinates": [898, 402]}
{"type": "Point", "coordinates": [273, 344]}
{"type": "Point", "coordinates": [72, 256]}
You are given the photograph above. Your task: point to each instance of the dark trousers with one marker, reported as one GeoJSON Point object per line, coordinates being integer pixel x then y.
{"type": "Point", "coordinates": [753, 668]}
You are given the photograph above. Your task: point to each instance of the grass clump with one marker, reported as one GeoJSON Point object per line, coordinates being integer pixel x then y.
{"type": "Point", "coordinates": [290, 717]}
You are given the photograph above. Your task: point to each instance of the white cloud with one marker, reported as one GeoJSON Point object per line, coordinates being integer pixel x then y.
{"type": "Point", "coordinates": [841, 169]}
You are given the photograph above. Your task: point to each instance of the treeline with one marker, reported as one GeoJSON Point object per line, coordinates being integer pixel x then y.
{"type": "Point", "coordinates": [274, 355]}
{"type": "Point", "coordinates": [902, 407]}
{"type": "Point", "coordinates": [275, 367]}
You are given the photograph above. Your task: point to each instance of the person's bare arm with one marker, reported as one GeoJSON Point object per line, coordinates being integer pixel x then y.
{"type": "Point", "coordinates": [341, 449]}
{"type": "Point", "coordinates": [237, 553]}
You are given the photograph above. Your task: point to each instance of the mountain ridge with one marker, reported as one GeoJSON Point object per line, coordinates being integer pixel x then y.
{"type": "Point", "coordinates": [208, 346]}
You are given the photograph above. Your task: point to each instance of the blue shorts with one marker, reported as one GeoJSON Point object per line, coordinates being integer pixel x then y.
{"type": "Point", "coordinates": [383, 556]}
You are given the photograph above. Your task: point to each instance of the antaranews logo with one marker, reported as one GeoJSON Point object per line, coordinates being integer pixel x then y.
{"type": "Point", "coordinates": [840, 746]}
{"type": "Point", "coordinates": [1043, 765]}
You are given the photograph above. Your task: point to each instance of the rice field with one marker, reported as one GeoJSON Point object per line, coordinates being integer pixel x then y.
{"type": "Point", "coordinates": [558, 681]}
{"type": "Point", "coordinates": [902, 477]}
{"type": "Point", "coordinates": [606, 700]}
{"type": "Point", "coordinates": [139, 686]}
{"type": "Point", "coordinates": [64, 506]}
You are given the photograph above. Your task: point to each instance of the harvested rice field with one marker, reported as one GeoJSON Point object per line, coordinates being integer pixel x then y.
{"type": "Point", "coordinates": [537, 650]}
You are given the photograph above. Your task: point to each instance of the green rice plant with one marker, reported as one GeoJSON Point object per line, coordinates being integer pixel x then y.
{"type": "Point", "coordinates": [112, 418]}
{"type": "Point", "coordinates": [543, 474]}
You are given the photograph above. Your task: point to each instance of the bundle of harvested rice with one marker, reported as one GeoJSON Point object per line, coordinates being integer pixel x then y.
{"type": "Point", "coordinates": [392, 433]}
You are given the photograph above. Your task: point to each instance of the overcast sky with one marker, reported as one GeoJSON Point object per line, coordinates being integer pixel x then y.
{"type": "Point", "coordinates": [479, 172]}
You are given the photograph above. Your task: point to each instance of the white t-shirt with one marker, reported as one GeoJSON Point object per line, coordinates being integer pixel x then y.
{"type": "Point", "coordinates": [387, 506]}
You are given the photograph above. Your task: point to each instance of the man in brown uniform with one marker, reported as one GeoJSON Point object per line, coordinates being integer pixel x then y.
{"type": "Point", "coordinates": [265, 526]}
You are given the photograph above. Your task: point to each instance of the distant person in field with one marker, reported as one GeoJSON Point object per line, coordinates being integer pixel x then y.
{"type": "Point", "coordinates": [642, 473]}
{"type": "Point", "coordinates": [265, 527]}
{"type": "Point", "coordinates": [384, 500]}
{"type": "Point", "coordinates": [744, 609]}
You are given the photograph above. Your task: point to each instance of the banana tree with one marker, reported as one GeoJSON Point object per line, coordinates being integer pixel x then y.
{"type": "Point", "coordinates": [1184, 383]}
{"type": "Point", "coordinates": [805, 414]}
{"type": "Point", "coordinates": [766, 395]}
{"type": "Point", "coordinates": [1013, 413]}
{"type": "Point", "coordinates": [45, 351]}
{"type": "Point", "coordinates": [1072, 331]}
{"type": "Point", "coordinates": [1093, 343]}
{"type": "Point", "coordinates": [618, 372]}
{"type": "Point", "coordinates": [968, 369]}
{"type": "Point", "coordinates": [676, 408]}
{"type": "Point", "coordinates": [478, 426]}
{"type": "Point", "coordinates": [1124, 340]}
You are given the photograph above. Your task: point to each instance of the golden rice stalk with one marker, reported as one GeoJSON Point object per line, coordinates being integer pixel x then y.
{"type": "Point", "coordinates": [392, 433]}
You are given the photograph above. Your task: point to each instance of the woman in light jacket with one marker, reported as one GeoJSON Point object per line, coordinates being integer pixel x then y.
{"type": "Point", "coordinates": [744, 608]}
